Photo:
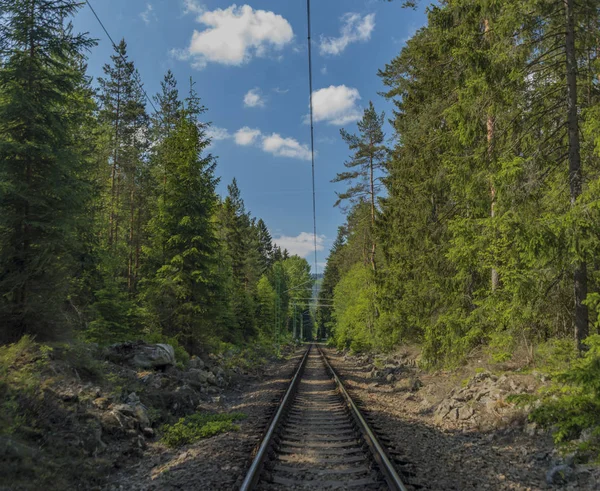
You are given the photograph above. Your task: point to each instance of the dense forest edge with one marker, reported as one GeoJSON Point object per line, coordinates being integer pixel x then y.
{"type": "Point", "coordinates": [473, 228]}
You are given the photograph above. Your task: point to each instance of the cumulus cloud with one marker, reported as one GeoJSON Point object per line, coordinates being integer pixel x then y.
{"type": "Point", "coordinates": [254, 98]}
{"type": "Point", "coordinates": [285, 147]}
{"type": "Point", "coordinates": [148, 15]}
{"type": "Point", "coordinates": [336, 104]}
{"type": "Point", "coordinates": [275, 144]}
{"type": "Point", "coordinates": [354, 28]}
{"type": "Point", "coordinates": [302, 244]}
{"type": "Point", "coordinates": [246, 136]}
{"type": "Point", "coordinates": [216, 133]}
{"type": "Point", "coordinates": [233, 36]}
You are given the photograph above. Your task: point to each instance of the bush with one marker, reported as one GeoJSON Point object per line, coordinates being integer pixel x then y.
{"type": "Point", "coordinates": [572, 404]}
{"type": "Point", "coordinates": [197, 426]}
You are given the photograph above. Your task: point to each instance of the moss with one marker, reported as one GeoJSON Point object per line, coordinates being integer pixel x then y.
{"type": "Point", "coordinates": [198, 426]}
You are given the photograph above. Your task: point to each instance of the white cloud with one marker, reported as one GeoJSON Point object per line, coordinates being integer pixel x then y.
{"type": "Point", "coordinates": [274, 144]}
{"type": "Point", "coordinates": [336, 104]}
{"type": "Point", "coordinates": [254, 98]}
{"type": "Point", "coordinates": [192, 7]}
{"type": "Point", "coordinates": [302, 245]}
{"type": "Point", "coordinates": [216, 133]}
{"type": "Point", "coordinates": [148, 15]}
{"type": "Point", "coordinates": [281, 91]}
{"type": "Point", "coordinates": [354, 28]}
{"type": "Point", "coordinates": [233, 36]}
{"type": "Point", "coordinates": [324, 70]}
{"type": "Point", "coordinates": [285, 147]}
{"type": "Point", "coordinates": [246, 136]}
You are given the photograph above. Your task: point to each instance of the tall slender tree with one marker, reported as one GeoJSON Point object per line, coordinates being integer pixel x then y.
{"type": "Point", "coordinates": [366, 164]}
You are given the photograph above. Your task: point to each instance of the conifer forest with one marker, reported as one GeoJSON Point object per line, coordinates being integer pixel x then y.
{"type": "Point", "coordinates": [471, 229]}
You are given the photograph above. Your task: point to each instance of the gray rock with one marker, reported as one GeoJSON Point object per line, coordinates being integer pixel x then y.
{"type": "Point", "coordinates": [559, 474]}
{"type": "Point", "coordinates": [196, 362]}
{"type": "Point", "coordinates": [154, 356]}
{"type": "Point", "coordinates": [142, 355]}
{"type": "Point", "coordinates": [390, 377]}
{"type": "Point", "coordinates": [211, 378]}
{"type": "Point", "coordinates": [134, 411]}
{"type": "Point", "coordinates": [197, 377]}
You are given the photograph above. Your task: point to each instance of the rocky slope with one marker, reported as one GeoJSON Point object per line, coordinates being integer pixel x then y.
{"type": "Point", "coordinates": [75, 416]}
{"type": "Point", "coordinates": [457, 430]}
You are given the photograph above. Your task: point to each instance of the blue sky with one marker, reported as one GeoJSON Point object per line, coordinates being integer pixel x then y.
{"type": "Point", "coordinates": [249, 62]}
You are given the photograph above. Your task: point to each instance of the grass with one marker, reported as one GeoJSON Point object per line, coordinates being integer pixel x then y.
{"type": "Point", "coordinates": [197, 426]}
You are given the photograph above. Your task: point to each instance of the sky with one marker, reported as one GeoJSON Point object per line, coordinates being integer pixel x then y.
{"type": "Point", "coordinates": [250, 65]}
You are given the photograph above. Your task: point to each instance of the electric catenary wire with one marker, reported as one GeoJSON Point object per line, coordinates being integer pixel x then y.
{"type": "Point", "coordinates": [122, 57]}
{"type": "Point", "coordinates": [312, 135]}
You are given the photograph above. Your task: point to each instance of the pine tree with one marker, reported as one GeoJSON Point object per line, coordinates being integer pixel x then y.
{"type": "Point", "coordinates": [366, 163]}
{"type": "Point", "coordinates": [42, 167]}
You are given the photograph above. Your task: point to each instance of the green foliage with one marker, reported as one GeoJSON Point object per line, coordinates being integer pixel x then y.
{"type": "Point", "coordinates": [20, 367]}
{"type": "Point", "coordinates": [572, 404]}
{"type": "Point", "coordinates": [353, 304]}
{"type": "Point", "coordinates": [197, 426]}
{"type": "Point", "coordinates": [43, 191]}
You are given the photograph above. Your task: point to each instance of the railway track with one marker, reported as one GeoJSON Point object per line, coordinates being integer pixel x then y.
{"type": "Point", "coordinates": [318, 439]}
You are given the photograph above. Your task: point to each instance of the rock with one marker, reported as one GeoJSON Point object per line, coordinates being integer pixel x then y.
{"type": "Point", "coordinates": [559, 474]}
{"type": "Point", "coordinates": [196, 362]}
{"type": "Point", "coordinates": [148, 432]}
{"type": "Point", "coordinates": [390, 377]}
{"type": "Point", "coordinates": [102, 403]}
{"type": "Point", "coordinates": [155, 356]}
{"type": "Point", "coordinates": [132, 398]}
{"type": "Point", "coordinates": [196, 376]}
{"type": "Point", "coordinates": [219, 372]}
{"type": "Point", "coordinates": [142, 355]}
{"type": "Point", "coordinates": [415, 384]}
{"type": "Point", "coordinates": [211, 378]}
{"type": "Point", "coordinates": [135, 411]}
{"type": "Point", "coordinates": [465, 413]}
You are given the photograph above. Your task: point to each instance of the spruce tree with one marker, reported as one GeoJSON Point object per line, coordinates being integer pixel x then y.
{"type": "Point", "coordinates": [43, 193]}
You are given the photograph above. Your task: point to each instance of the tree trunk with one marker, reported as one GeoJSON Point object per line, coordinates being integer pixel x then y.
{"type": "Point", "coordinates": [371, 170]}
{"type": "Point", "coordinates": [113, 174]}
{"type": "Point", "coordinates": [131, 239]}
{"type": "Point", "coordinates": [575, 175]}
{"type": "Point", "coordinates": [490, 153]}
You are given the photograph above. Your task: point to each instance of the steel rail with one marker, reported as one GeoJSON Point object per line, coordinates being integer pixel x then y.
{"type": "Point", "coordinates": [253, 474]}
{"type": "Point", "coordinates": [385, 465]}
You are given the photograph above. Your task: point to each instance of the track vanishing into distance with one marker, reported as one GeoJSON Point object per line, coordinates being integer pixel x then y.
{"type": "Point", "coordinates": [318, 439]}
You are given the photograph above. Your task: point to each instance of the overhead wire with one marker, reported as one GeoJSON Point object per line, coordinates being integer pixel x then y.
{"type": "Point", "coordinates": [137, 79]}
{"type": "Point", "coordinates": [312, 135]}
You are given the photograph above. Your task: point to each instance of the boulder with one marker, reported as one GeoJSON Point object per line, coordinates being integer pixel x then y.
{"type": "Point", "coordinates": [197, 377]}
{"type": "Point", "coordinates": [154, 356]}
{"type": "Point", "coordinates": [211, 378]}
{"type": "Point", "coordinates": [138, 354]}
{"type": "Point", "coordinates": [196, 363]}
{"type": "Point", "coordinates": [559, 474]}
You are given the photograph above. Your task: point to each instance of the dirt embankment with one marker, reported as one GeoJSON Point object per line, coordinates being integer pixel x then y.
{"type": "Point", "coordinates": [90, 419]}
{"type": "Point", "coordinates": [456, 430]}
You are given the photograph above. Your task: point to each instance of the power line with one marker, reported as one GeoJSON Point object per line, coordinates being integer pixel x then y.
{"type": "Point", "coordinates": [138, 81]}
{"type": "Point", "coordinates": [312, 135]}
